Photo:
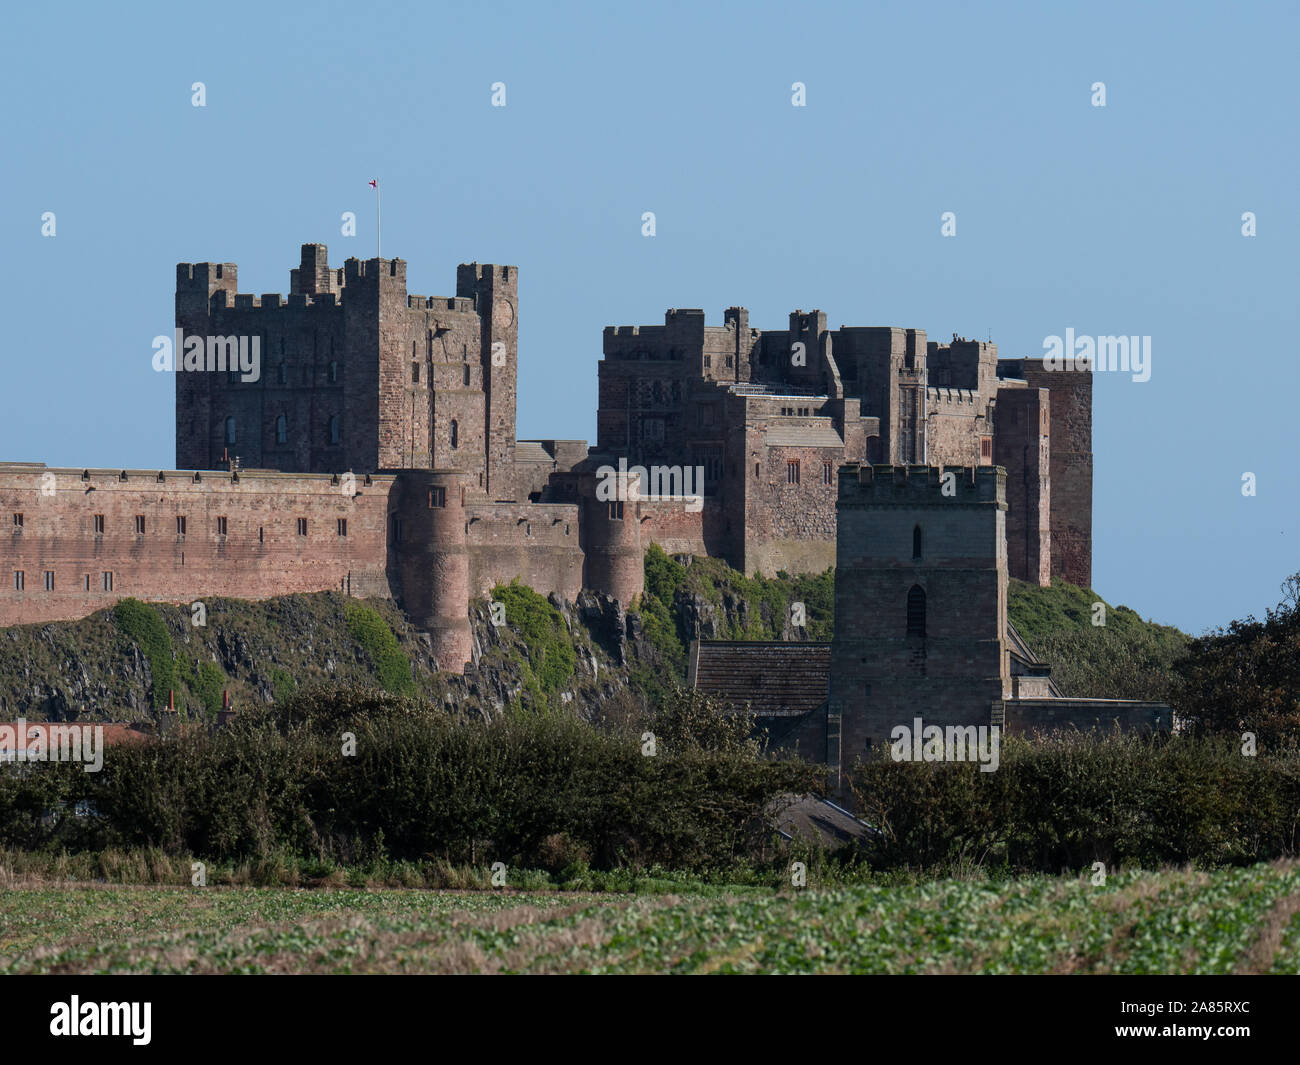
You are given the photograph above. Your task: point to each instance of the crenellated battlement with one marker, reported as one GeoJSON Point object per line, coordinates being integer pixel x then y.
{"type": "Point", "coordinates": [908, 486]}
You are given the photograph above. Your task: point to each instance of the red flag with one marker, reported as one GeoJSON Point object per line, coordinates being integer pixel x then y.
{"type": "Point", "coordinates": [374, 184]}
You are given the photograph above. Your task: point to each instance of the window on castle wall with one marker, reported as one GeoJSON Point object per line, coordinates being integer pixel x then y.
{"type": "Point", "coordinates": [986, 447]}
{"type": "Point", "coordinates": [180, 525]}
{"type": "Point", "coordinates": [708, 361]}
{"type": "Point", "coordinates": [616, 511]}
{"type": "Point", "coordinates": [415, 373]}
{"type": "Point", "coordinates": [916, 611]}
{"type": "Point", "coordinates": [437, 497]}
{"type": "Point", "coordinates": [139, 525]}
{"type": "Point", "coordinates": [87, 582]}
{"type": "Point", "coordinates": [729, 360]}
{"type": "Point", "coordinates": [106, 581]}
{"type": "Point", "coordinates": [18, 523]}
{"type": "Point", "coordinates": [221, 526]}
{"type": "Point", "coordinates": [334, 429]}
{"type": "Point", "coordinates": [49, 580]}
{"type": "Point", "coordinates": [455, 433]}
{"type": "Point", "coordinates": [916, 542]}
{"type": "Point", "coordinates": [302, 526]}
{"type": "Point", "coordinates": [99, 525]}
{"type": "Point", "coordinates": [334, 373]}
{"type": "Point", "coordinates": [828, 473]}
{"type": "Point", "coordinates": [792, 472]}
{"type": "Point", "coordinates": [281, 429]}
{"type": "Point", "coordinates": [20, 580]}
{"type": "Point", "coordinates": [282, 374]}
{"type": "Point", "coordinates": [230, 430]}
{"type": "Point", "coordinates": [343, 526]}
{"type": "Point", "coordinates": [467, 377]}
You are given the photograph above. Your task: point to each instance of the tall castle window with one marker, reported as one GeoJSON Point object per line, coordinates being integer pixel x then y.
{"type": "Point", "coordinates": [792, 472]}
{"type": "Point", "coordinates": [334, 373]}
{"type": "Point", "coordinates": [281, 429]}
{"type": "Point", "coordinates": [467, 377]}
{"type": "Point", "coordinates": [916, 544]}
{"type": "Point", "coordinates": [230, 430]}
{"type": "Point", "coordinates": [334, 428]}
{"type": "Point", "coordinates": [916, 611]}
{"type": "Point", "coordinates": [282, 373]}
{"type": "Point", "coordinates": [455, 433]}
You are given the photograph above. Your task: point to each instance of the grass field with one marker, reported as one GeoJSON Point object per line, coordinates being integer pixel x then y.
{"type": "Point", "coordinates": [1232, 921]}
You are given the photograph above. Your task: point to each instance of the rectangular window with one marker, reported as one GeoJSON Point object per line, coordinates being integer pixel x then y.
{"type": "Point", "coordinates": [792, 472]}
{"type": "Point", "coordinates": [139, 525]}
{"type": "Point", "coordinates": [99, 524]}
{"type": "Point", "coordinates": [437, 497]}
{"type": "Point", "coordinates": [221, 526]}
{"type": "Point", "coordinates": [397, 529]}
{"type": "Point", "coordinates": [828, 473]}
{"type": "Point", "coordinates": [708, 361]}
{"type": "Point", "coordinates": [49, 580]}
{"type": "Point", "coordinates": [302, 526]}
{"type": "Point", "coordinates": [415, 373]}
{"type": "Point", "coordinates": [87, 582]}
{"type": "Point", "coordinates": [259, 534]}
{"type": "Point", "coordinates": [180, 525]}
{"type": "Point", "coordinates": [18, 523]}
{"type": "Point", "coordinates": [107, 580]}
{"type": "Point", "coordinates": [343, 526]}
{"type": "Point", "coordinates": [986, 447]}
{"type": "Point", "coordinates": [616, 511]}
{"type": "Point", "coordinates": [20, 578]}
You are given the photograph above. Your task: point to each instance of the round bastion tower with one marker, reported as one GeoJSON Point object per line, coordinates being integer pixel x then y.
{"type": "Point", "coordinates": [429, 538]}
{"type": "Point", "coordinates": [611, 530]}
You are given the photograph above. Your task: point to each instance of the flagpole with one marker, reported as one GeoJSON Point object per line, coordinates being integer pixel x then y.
{"type": "Point", "coordinates": [379, 222]}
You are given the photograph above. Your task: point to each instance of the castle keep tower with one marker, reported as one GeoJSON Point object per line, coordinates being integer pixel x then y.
{"type": "Point", "coordinates": [924, 548]}
{"type": "Point", "coordinates": [355, 373]}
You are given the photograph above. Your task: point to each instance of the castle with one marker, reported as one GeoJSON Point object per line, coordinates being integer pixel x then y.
{"type": "Point", "coordinates": [374, 452]}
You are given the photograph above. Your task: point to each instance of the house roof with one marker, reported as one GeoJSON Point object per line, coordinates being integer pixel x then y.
{"type": "Point", "coordinates": [775, 678]}
{"type": "Point", "coordinates": [115, 732]}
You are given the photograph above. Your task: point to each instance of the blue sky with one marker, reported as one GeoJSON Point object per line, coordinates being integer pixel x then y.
{"type": "Point", "coordinates": [1117, 220]}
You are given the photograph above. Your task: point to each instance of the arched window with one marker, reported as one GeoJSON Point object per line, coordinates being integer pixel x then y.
{"type": "Point", "coordinates": [916, 611]}
{"type": "Point", "coordinates": [230, 430]}
{"type": "Point", "coordinates": [455, 434]}
{"type": "Point", "coordinates": [334, 428]}
{"type": "Point", "coordinates": [916, 543]}
{"type": "Point", "coordinates": [281, 429]}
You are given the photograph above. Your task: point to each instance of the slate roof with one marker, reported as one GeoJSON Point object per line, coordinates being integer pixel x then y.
{"type": "Point", "coordinates": [532, 451]}
{"type": "Point", "coordinates": [776, 679]}
{"type": "Point", "coordinates": [803, 436]}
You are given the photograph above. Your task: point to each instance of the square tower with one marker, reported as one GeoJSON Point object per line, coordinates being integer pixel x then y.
{"type": "Point", "coordinates": [920, 603]}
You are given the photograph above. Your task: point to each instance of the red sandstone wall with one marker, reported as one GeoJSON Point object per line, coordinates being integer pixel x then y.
{"type": "Point", "coordinates": [261, 555]}
{"type": "Point", "coordinates": [536, 542]}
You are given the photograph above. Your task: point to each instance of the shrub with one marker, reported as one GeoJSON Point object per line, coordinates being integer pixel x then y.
{"type": "Point", "coordinates": [392, 666]}
{"type": "Point", "coordinates": [143, 625]}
